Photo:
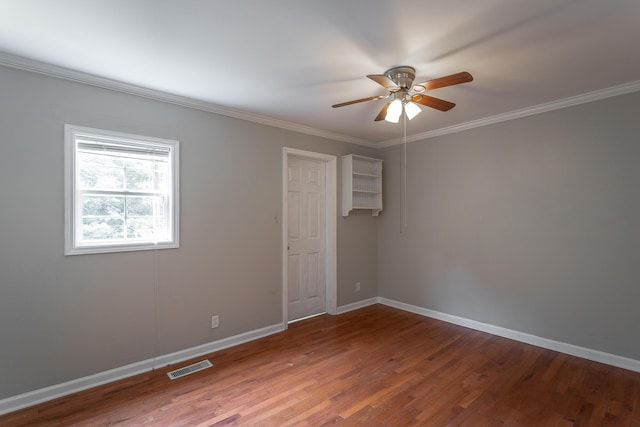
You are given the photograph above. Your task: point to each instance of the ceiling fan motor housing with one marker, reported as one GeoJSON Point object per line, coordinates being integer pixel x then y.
{"type": "Point", "coordinates": [398, 81]}
{"type": "Point", "coordinates": [402, 76]}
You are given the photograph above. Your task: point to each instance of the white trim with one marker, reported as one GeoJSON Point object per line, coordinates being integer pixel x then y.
{"type": "Point", "coordinates": [72, 214]}
{"type": "Point", "coordinates": [31, 398]}
{"type": "Point", "coordinates": [218, 345]}
{"type": "Point", "coordinates": [524, 112]}
{"type": "Point", "coordinates": [356, 305]}
{"type": "Point", "coordinates": [39, 67]}
{"type": "Point", "coordinates": [26, 64]}
{"type": "Point", "coordinates": [51, 70]}
{"type": "Point", "coordinates": [573, 350]}
{"type": "Point", "coordinates": [331, 230]}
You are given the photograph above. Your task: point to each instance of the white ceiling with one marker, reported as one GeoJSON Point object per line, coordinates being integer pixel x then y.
{"type": "Point", "coordinates": [290, 60]}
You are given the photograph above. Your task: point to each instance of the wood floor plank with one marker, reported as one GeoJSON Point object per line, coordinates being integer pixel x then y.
{"type": "Point", "coordinates": [377, 366]}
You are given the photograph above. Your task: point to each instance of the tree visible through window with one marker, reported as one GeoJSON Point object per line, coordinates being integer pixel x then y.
{"type": "Point", "coordinates": [122, 191]}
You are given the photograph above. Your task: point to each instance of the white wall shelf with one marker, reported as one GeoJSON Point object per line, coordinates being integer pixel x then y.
{"type": "Point", "coordinates": [361, 184]}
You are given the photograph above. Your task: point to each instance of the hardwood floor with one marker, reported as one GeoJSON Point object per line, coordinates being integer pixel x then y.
{"type": "Point", "coordinates": [376, 366]}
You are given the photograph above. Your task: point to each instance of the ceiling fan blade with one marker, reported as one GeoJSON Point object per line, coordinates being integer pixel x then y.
{"type": "Point", "coordinates": [430, 101]}
{"type": "Point", "coordinates": [355, 101]}
{"type": "Point", "coordinates": [383, 113]}
{"type": "Point", "coordinates": [453, 79]}
{"type": "Point", "coordinates": [384, 81]}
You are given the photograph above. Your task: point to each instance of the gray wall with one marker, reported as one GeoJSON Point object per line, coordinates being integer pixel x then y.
{"type": "Point", "coordinates": [63, 318]}
{"type": "Point", "coordinates": [531, 224]}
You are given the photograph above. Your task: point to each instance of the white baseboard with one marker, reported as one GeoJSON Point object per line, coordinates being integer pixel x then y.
{"type": "Point", "coordinates": [24, 400]}
{"type": "Point", "coordinates": [356, 305]}
{"type": "Point", "coordinates": [573, 350]}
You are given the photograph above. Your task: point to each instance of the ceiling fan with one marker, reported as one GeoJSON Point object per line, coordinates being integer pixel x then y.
{"type": "Point", "coordinates": [406, 96]}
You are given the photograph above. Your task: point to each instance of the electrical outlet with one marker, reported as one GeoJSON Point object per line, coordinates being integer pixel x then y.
{"type": "Point", "coordinates": [215, 321]}
{"type": "Point", "coordinates": [357, 286]}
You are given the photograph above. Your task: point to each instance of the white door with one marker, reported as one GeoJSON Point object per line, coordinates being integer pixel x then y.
{"type": "Point", "coordinates": [306, 282]}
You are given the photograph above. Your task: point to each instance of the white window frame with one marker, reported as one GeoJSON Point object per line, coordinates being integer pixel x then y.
{"type": "Point", "coordinates": [73, 245]}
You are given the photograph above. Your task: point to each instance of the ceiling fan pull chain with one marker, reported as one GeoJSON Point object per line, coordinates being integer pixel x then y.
{"type": "Point", "coordinates": [403, 178]}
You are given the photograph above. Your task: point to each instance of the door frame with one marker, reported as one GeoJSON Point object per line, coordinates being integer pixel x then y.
{"type": "Point", "coordinates": [331, 231]}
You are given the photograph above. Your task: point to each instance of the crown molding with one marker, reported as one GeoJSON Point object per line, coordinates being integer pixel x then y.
{"type": "Point", "coordinates": [524, 112]}
{"type": "Point", "coordinates": [26, 64]}
{"type": "Point", "coordinates": [22, 63]}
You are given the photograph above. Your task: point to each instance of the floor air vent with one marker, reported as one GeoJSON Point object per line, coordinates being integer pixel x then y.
{"type": "Point", "coordinates": [189, 369]}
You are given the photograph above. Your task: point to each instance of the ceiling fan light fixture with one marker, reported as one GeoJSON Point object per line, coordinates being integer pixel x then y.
{"type": "Point", "coordinates": [411, 109]}
{"type": "Point", "coordinates": [407, 97]}
{"type": "Point", "coordinates": [394, 111]}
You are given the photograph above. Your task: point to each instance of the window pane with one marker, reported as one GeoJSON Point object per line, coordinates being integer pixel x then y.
{"type": "Point", "coordinates": [140, 228]}
{"type": "Point", "coordinates": [140, 179]}
{"type": "Point", "coordinates": [162, 225]}
{"type": "Point", "coordinates": [162, 183]}
{"type": "Point", "coordinates": [139, 206]}
{"type": "Point", "coordinates": [102, 206]}
{"type": "Point", "coordinates": [136, 163]}
{"type": "Point", "coordinates": [99, 171]}
{"type": "Point", "coordinates": [102, 228]}
{"type": "Point", "coordinates": [160, 206]}
{"type": "Point", "coordinates": [94, 159]}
